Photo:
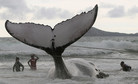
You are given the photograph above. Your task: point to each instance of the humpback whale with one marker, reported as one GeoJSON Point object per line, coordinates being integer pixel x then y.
{"type": "Point", "coordinates": [54, 40]}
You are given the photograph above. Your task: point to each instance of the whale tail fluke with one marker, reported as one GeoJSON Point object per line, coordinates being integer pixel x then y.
{"type": "Point", "coordinates": [63, 34]}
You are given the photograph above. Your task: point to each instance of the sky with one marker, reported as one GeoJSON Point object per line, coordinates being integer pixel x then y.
{"type": "Point", "coordinates": [113, 15]}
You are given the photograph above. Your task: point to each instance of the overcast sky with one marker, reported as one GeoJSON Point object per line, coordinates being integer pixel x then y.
{"type": "Point", "coordinates": [113, 15]}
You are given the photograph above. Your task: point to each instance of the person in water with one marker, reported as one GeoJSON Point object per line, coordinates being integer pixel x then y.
{"type": "Point", "coordinates": [125, 67]}
{"type": "Point", "coordinates": [17, 66]}
{"type": "Point", "coordinates": [102, 75]}
{"type": "Point", "coordinates": [32, 62]}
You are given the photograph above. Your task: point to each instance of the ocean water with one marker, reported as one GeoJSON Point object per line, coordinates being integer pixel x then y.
{"type": "Point", "coordinates": [105, 52]}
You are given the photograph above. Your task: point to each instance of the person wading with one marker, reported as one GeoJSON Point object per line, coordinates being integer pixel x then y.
{"type": "Point", "coordinates": [17, 66]}
{"type": "Point", "coordinates": [125, 67]}
{"type": "Point", "coordinates": [32, 62]}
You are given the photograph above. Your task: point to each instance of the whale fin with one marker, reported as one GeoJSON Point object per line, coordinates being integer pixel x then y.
{"type": "Point", "coordinates": [71, 30]}
{"type": "Point", "coordinates": [35, 35]}
{"type": "Point", "coordinates": [64, 33]}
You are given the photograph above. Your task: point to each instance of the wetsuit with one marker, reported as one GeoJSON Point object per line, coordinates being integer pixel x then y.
{"type": "Point", "coordinates": [126, 67]}
{"type": "Point", "coordinates": [17, 66]}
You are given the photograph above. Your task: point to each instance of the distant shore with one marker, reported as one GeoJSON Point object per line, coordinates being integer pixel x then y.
{"type": "Point", "coordinates": [97, 32]}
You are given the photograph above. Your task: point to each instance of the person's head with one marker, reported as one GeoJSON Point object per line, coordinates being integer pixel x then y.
{"type": "Point", "coordinates": [53, 40]}
{"type": "Point", "coordinates": [122, 63]}
{"type": "Point", "coordinates": [17, 59]}
{"type": "Point", "coordinates": [32, 56]}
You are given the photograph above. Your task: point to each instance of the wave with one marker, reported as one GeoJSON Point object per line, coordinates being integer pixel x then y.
{"type": "Point", "coordinates": [86, 47]}
{"type": "Point", "coordinates": [104, 47]}
{"type": "Point", "coordinates": [131, 50]}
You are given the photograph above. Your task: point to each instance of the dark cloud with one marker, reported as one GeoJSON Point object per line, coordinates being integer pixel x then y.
{"type": "Point", "coordinates": [133, 11]}
{"type": "Point", "coordinates": [18, 9]}
{"type": "Point", "coordinates": [14, 8]}
{"type": "Point", "coordinates": [65, 14]}
{"type": "Point", "coordinates": [117, 12]}
{"type": "Point", "coordinates": [51, 13]}
{"type": "Point", "coordinates": [14, 5]}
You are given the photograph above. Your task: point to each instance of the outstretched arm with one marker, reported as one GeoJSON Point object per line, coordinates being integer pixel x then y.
{"type": "Point", "coordinates": [13, 67]}
{"type": "Point", "coordinates": [29, 63]}
{"type": "Point", "coordinates": [37, 57]}
{"type": "Point", "coordinates": [22, 68]}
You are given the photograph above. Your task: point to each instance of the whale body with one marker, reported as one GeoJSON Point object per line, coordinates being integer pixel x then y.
{"type": "Point", "coordinates": [78, 68]}
{"type": "Point", "coordinates": [54, 40]}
